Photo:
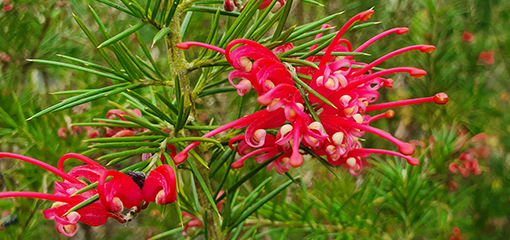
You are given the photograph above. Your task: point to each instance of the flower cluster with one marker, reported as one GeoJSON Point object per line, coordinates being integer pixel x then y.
{"type": "Point", "coordinates": [114, 114]}
{"type": "Point", "coordinates": [118, 131]}
{"type": "Point", "coordinates": [231, 5]}
{"type": "Point", "coordinates": [329, 117]}
{"type": "Point", "coordinates": [467, 165]}
{"type": "Point", "coordinates": [130, 190]}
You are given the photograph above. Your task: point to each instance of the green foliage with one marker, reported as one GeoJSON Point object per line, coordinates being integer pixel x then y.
{"type": "Point", "coordinates": [104, 63]}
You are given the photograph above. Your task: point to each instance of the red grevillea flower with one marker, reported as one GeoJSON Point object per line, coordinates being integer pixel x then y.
{"type": "Point", "coordinates": [160, 186]}
{"type": "Point", "coordinates": [351, 86]}
{"type": "Point", "coordinates": [486, 57]}
{"type": "Point", "coordinates": [467, 36]}
{"type": "Point", "coordinates": [121, 191]}
{"type": "Point", "coordinates": [94, 214]}
{"type": "Point", "coordinates": [119, 131]}
{"type": "Point", "coordinates": [230, 5]}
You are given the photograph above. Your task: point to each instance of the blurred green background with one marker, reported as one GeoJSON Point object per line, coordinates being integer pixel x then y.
{"type": "Point", "coordinates": [389, 200]}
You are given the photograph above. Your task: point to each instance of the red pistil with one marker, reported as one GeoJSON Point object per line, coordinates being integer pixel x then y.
{"type": "Point", "coordinates": [439, 98]}
{"type": "Point", "coordinates": [235, 139]}
{"type": "Point", "coordinates": [76, 156]}
{"type": "Point", "coordinates": [46, 166]}
{"type": "Point", "coordinates": [404, 148]}
{"type": "Point", "coordinates": [363, 16]}
{"type": "Point", "coordinates": [239, 123]}
{"type": "Point", "coordinates": [240, 163]}
{"type": "Point", "coordinates": [379, 36]}
{"type": "Point", "coordinates": [422, 48]}
{"type": "Point", "coordinates": [187, 45]}
{"type": "Point", "coordinates": [37, 195]}
{"type": "Point", "coordinates": [361, 151]}
{"type": "Point", "coordinates": [388, 114]}
{"type": "Point", "coordinates": [414, 72]}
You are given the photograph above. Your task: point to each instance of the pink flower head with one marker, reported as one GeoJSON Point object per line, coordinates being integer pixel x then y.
{"type": "Point", "coordinates": [160, 186]}
{"type": "Point", "coordinates": [94, 214]}
{"type": "Point", "coordinates": [467, 36]}
{"type": "Point", "coordinates": [350, 86]}
{"type": "Point", "coordinates": [486, 57]}
{"type": "Point", "coordinates": [7, 6]}
{"type": "Point", "coordinates": [118, 131]}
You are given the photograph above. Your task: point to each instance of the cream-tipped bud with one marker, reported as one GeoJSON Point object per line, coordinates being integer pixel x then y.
{"type": "Point", "coordinates": [246, 64]}
{"type": "Point", "coordinates": [338, 138]}
{"type": "Point", "coordinates": [285, 129]}
{"type": "Point", "coordinates": [351, 162]}
{"type": "Point", "coordinates": [358, 118]}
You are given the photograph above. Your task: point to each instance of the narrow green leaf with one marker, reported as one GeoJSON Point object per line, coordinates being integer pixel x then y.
{"type": "Point", "coordinates": [261, 19]}
{"type": "Point", "coordinates": [213, 91]}
{"type": "Point", "coordinates": [363, 25]}
{"type": "Point", "coordinates": [146, 124]}
{"type": "Point", "coordinates": [116, 6]}
{"type": "Point", "coordinates": [70, 92]}
{"type": "Point", "coordinates": [306, 35]}
{"type": "Point", "coordinates": [306, 45]}
{"type": "Point", "coordinates": [308, 105]}
{"type": "Point", "coordinates": [252, 197]}
{"type": "Point", "coordinates": [121, 35]}
{"type": "Point", "coordinates": [211, 10]}
{"type": "Point", "coordinates": [182, 118]}
{"type": "Point", "coordinates": [131, 7]}
{"type": "Point", "coordinates": [248, 176]}
{"type": "Point", "coordinates": [79, 68]}
{"type": "Point", "coordinates": [102, 27]}
{"type": "Point", "coordinates": [167, 103]}
{"type": "Point", "coordinates": [203, 185]}
{"type": "Point", "coordinates": [222, 159]}
{"type": "Point", "coordinates": [192, 139]}
{"type": "Point", "coordinates": [90, 64]}
{"type": "Point", "coordinates": [259, 33]}
{"type": "Point", "coordinates": [98, 96]}
{"type": "Point", "coordinates": [313, 2]}
{"type": "Point", "coordinates": [237, 25]}
{"type": "Point", "coordinates": [125, 145]}
{"type": "Point", "coordinates": [95, 43]}
{"type": "Point", "coordinates": [259, 204]}
{"type": "Point", "coordinates": [75, 98]}
{"type": "Point", "coordinates": [321, 160]}
{"type": "Point", "coordinates": [164, 11]}
{"type": "Point", "coordinates": [301, 62]}
{"type": "Point", "coordinates": [155, 10]}
{"type": "Point", "coordinates": [171, 13]}
{"type": "Point", "coordinates": [161, 34]}
{"type": "Point", "coordinates": [123, 139]}
{"type": "Point", "coordinates": [282, 20]}
{"type": "Point", "coordinates": [185, 23]}
{"type": "Point", "coordinates": [148, 8]}
{"type": "Point", "coordinates": [307, 27]}
{"type": "Point", "coordinates": [167, 233]}
{"type": "Point", "coordinates": [95, 124]}
{"type": "Point", "coordinates": [128, 153]}
{"type": "Point", "coordinates": [156, 109]}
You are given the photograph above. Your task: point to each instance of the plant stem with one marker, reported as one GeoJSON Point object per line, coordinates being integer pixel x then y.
{"type": "Point", "coordinates": [178, 67]}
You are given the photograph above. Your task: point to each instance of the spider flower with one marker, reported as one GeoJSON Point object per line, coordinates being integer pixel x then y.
{"type": "Point", "coordinates": [336, 127]}
{"type": "Point", "coordinates": [121, 191]}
